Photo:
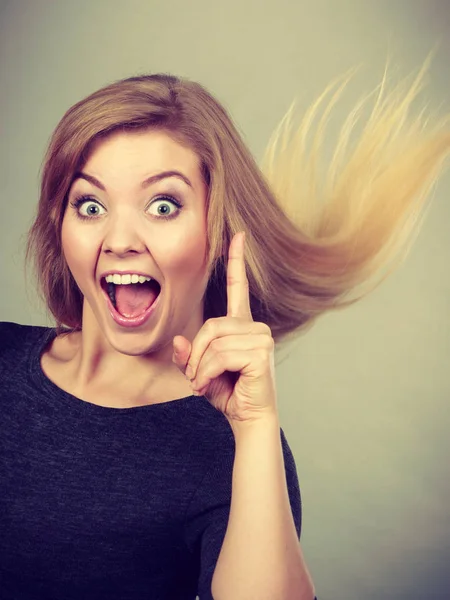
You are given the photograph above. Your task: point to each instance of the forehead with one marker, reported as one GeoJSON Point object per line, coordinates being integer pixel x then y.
{"type": "Point", "coordinates": [140, 153]}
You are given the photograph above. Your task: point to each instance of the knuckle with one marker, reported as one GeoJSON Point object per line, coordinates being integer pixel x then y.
{"type": "Point", "coordinates": [266, 360]}
{"type": "Point", "coordinates": [268, 330]}
{"type": "Point", "coordinates": [268, 343]}
{"type": "Point", "coordinates": [210, 325]}
{"type": "Point", "coordinates": [265, 329]}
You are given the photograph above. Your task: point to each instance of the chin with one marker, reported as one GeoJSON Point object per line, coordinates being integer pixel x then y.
{"type": "Point", "coordinates": [135, 347]}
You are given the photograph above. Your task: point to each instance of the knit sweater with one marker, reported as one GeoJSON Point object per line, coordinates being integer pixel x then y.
{"type": "Point", "coordinates": [105, 503]}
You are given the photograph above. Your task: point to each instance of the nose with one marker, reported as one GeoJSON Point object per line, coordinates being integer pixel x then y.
{"type": "Point", "coordinates": [123, 237]}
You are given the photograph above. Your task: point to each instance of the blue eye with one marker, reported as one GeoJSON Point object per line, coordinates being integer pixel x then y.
{"type": "Point", "coordinates": [79, 200]}
{"type": "Point", "coordinates": [165, 200]}
{"type": "Point", "coordinates": [84, 199]}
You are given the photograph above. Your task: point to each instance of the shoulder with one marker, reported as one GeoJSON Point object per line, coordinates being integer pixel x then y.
{"type": "Point", "coordinates": [14, 336]}
{"type": "Point", "coordinates": [11, 333]}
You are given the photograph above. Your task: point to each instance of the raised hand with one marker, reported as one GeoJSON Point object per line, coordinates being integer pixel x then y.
{"type": "Point", "coordinates": [232, 357]}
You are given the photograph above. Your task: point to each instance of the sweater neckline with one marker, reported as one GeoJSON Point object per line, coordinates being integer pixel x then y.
{"type": "Point", "coordinates": [55, 394]}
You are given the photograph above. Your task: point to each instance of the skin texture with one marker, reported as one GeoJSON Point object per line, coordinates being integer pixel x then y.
{"type": "Point", "coordinates": [126, 231]}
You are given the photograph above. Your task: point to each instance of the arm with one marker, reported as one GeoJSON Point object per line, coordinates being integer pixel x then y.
{"type": "Point", "coordinates": [261, 556]}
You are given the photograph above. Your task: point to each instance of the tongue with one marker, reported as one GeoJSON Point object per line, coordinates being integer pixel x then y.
{"type": "Point", "coordinates": [133, 299]}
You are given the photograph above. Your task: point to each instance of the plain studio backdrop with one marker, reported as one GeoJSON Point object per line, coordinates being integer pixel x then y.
{"type": "Point", "coordinates": [364, 396]}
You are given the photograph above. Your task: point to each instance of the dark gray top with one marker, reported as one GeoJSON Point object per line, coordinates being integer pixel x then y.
{"type": "Point", "coordinates": [106, 503]}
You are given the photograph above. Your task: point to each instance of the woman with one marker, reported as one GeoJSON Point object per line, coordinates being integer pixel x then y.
{"type": "Point", "coordinates": [142, 449]}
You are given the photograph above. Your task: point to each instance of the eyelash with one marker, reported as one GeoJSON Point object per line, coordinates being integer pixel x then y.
{"type": "Point", "coordinates": [79, 200]}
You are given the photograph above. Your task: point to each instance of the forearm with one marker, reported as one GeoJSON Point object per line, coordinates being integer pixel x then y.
{"type": "Point", "coordinates": [261, 556]}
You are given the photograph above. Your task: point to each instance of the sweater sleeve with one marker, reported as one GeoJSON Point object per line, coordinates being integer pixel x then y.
{"type": "Point", "coordinates": [207, 515]}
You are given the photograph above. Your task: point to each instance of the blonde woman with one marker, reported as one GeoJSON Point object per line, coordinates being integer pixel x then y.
{"type": "Point", "coordinates": [142, 454]}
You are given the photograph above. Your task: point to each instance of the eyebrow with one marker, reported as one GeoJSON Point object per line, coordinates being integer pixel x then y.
{"type": "Point", "coordinates": [149, 181]}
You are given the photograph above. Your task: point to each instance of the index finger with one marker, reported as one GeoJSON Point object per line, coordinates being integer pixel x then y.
{"type": "Point", "coordinates": [238, 297]}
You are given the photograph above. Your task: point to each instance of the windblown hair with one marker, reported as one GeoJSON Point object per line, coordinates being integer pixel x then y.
{"type": "Point", "coordinates": [308, 247]}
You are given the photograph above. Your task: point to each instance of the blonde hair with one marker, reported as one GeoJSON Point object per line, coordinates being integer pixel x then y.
{"type": "Point", "coordinates": [307, 248]}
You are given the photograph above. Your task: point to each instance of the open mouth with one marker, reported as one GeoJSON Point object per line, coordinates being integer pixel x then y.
{"type": "Point", "coordinates": [133, 299]}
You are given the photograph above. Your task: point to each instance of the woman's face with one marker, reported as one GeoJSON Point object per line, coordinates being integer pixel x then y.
{"type": "Point", "coordinates": [125, 230]}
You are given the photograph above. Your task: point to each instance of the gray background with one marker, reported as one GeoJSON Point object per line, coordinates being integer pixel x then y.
{"type": "Point", "coordinates": [363, 396]}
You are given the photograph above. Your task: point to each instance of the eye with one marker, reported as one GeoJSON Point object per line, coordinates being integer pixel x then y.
{"type": "Point", "coordinates": [81, 200]}
{"type": "Point", "coordinates": [165, 200]}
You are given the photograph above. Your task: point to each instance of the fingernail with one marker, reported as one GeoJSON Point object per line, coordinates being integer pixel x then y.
{"type": "Point", "coordinates": [189, 372]}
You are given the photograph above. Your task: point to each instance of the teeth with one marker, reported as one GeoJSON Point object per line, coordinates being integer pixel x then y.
{"type": "Point", "coordinates": [126, 279]}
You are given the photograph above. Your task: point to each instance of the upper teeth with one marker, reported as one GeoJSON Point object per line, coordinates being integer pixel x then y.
{"type": "Point", "coordinates": [125, 279]}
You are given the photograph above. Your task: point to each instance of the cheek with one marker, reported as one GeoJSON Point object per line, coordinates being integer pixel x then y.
{"type": "Point", "coordinates": [78, 250]}
{"type": "Point", "coordinates": [186, 258]}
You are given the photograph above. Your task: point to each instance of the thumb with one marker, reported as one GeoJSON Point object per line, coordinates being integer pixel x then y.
{"type": "Point", "coordinates": [181, 352]}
